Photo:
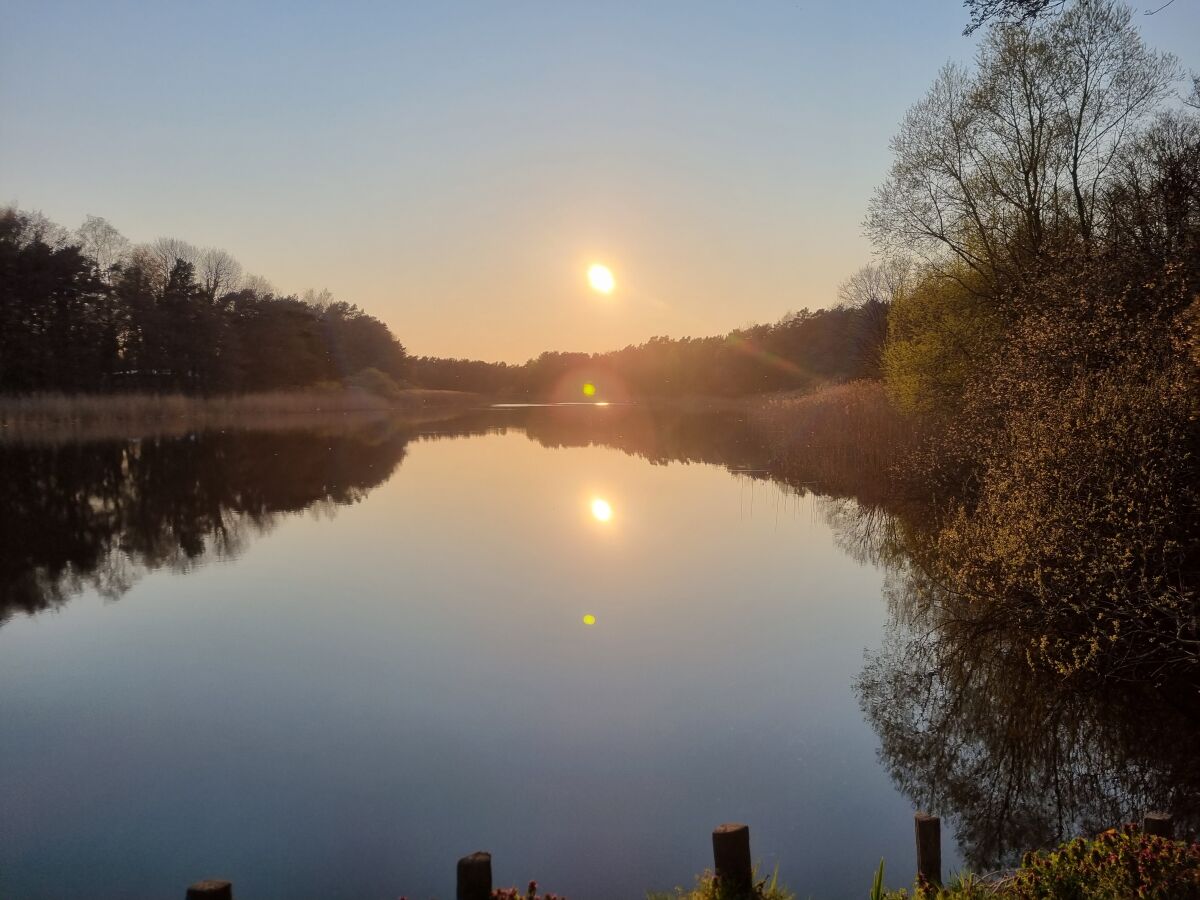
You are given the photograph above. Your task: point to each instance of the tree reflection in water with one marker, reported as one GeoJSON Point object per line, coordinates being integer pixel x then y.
{"type": "Point", "coordinates": [1014, 757]}
{"type": "Point", "coordinates": [98, 515]}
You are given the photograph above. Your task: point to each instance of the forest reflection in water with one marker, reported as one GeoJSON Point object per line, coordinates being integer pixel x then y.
{"type": "Point", "coordinates": [1012, 758]}
{"type": "Point", "coordinates": [97, 515]}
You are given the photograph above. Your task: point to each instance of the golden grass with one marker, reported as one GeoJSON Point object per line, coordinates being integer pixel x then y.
{"type": "Point", "coordinates": [113, 416]}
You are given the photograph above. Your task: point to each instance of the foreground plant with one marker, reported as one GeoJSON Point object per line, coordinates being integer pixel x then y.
{"type": "Point", "coordinates": [1116, 864]}
{"type": "Point", "coordinates": [531, 893]}
{"type": "Point", "coordinates": [709, 887]}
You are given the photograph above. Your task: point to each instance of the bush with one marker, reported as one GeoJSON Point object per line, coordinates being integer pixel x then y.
{"type": "Point", "coordinates": [938, 332]}
{"type": "Point", "coordinates": [1115, 865]}
{"type": "Point", "coordinates": [1084, 529]}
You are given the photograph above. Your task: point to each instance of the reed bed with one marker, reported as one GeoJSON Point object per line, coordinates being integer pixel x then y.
{"type": "Point", "coordinates": [116, 416]}
{"type": "Point", "coordinates": [843, 438]}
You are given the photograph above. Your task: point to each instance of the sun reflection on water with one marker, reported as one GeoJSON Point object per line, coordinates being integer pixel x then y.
{"type": "Point", "coordinates": [601, 510]}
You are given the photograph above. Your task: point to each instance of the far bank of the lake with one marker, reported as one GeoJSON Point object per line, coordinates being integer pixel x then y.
{"type": "Point", "coordinates": [103, 416]}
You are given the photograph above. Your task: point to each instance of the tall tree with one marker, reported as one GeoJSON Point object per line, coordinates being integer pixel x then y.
{"type": "Point", "coordinates": [106, 246]}
{"type": "Point", "coordinates": [994, 160]}
{"type": "Point", "coordinates": [218, 272]}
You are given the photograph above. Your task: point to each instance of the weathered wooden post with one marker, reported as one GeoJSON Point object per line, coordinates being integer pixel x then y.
{"type": "Point", "coordinates": [731, 857]}
{"type": "Point", "coordinates": [475, 877]}
{"type": "Point", "coordinates": [1159, 823]}
{"type": "Point", "coordinates": [210, 889]}
{"type": "Point", "coordinates": [929, 847]}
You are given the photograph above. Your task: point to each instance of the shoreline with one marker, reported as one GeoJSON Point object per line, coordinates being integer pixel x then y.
{"type": "Point", "coordinates": [64, 417]}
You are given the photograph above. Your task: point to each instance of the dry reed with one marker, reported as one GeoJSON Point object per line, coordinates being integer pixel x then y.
{"type": "Point", "coordinates": [841, 438]}
{"type": "Point", "coordinates": [115, 416]}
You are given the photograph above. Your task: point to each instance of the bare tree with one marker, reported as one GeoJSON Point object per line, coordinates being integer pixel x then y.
{"type": "Point", "coordinates": [1008, 11]}
{"type": "Point", "coordinates": [164, 252]}
{"type": "Point", "coordinates": [1108, 83]}
{"type": "Point", "coordinates": [37, 227]}
{"type": "Point", "coordinates": [932, 202]}
{"type": "Point", "coordinates": [1018, 155]}
{"type": "Point", "coordinates": [870, 292]}
{"type": "Point", "coordinates": [1193, 99]}
{"type": "Point", "coordinates": [321, 299]}
{"type": "Point", "coordinates": [218, 272]}
{"type": "Point", "coordinates": [879, 282]}
{"type": "Point", "coordinates": [990, 161]}
{"type": "Point", "coordinates": [103, 243]}
{"type": "Point", "coordinates": [1019, 11]}
{"type": "Point", "coordinates": [257, 285]}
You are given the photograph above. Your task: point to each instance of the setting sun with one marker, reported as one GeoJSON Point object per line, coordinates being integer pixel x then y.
{"type": "Point", "coordinates": [601, 510]}
{"type": "Point", "coordinates": [601, 279]}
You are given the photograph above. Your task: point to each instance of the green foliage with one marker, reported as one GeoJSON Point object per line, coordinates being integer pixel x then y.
{"type": "Point", "coordinates": [877, 890]}
{"type": "Point", "coordinates": [1114, 865]}
{"type": "Point", "coordinates": [708, 887]}
{"type": "Point", "coordinates": [939, 331]}
{"type": "Point", "coordinates": [1052, 341]}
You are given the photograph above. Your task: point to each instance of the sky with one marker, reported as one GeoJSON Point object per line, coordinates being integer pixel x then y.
{"type": "Point", "coordinates": [455, 167]}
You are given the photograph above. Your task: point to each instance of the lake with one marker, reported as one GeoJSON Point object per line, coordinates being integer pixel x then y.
{"type": "Point", "coordinates": [328, 663]}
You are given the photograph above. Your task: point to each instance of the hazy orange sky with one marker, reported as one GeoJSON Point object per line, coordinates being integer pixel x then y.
{"type": "Point", "coordinates": [455, 168]}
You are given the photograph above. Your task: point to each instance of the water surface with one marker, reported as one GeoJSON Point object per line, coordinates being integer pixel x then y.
{"type": "Point", "coordinates": [329, 663]}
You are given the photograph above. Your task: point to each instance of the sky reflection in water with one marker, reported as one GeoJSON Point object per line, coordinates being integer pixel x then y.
{"type": "Point", "coordinates": [363, 692]}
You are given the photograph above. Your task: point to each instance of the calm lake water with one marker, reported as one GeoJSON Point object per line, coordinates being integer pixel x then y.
{"type": "Point", "coordinates": [329, 664]}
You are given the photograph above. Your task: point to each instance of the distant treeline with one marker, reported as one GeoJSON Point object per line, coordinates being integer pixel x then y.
{"type": "Point", "coordinates": [798, 352]}
{"type": "Point", "coordinates": [86, 312]}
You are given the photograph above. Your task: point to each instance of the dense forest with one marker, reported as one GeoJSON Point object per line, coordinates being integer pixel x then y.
{"type": "Point", "coordinates": [85, 311]}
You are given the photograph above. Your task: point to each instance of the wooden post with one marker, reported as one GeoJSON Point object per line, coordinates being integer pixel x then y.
{"type": "Point", "coordinates": [1159, 823]}
{"type": "Point", "coordinates": [475, 877]}
{"type": "Point", "coordinates": [211, 889]}
{"type": "Point", "coordinates": [731, 857]}
{"type": "Point", "coordinates": [929, 848]}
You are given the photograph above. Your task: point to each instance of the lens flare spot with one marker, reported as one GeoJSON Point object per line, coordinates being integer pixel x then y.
{"type": "Point", "coordinates": [589, 389]}
{"type": "Point", "coordinates": [601, 510]}
{"type": "Point", "coordinates": [601, 279]}
{"type": "Point", "coordinates": [589, 619]}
